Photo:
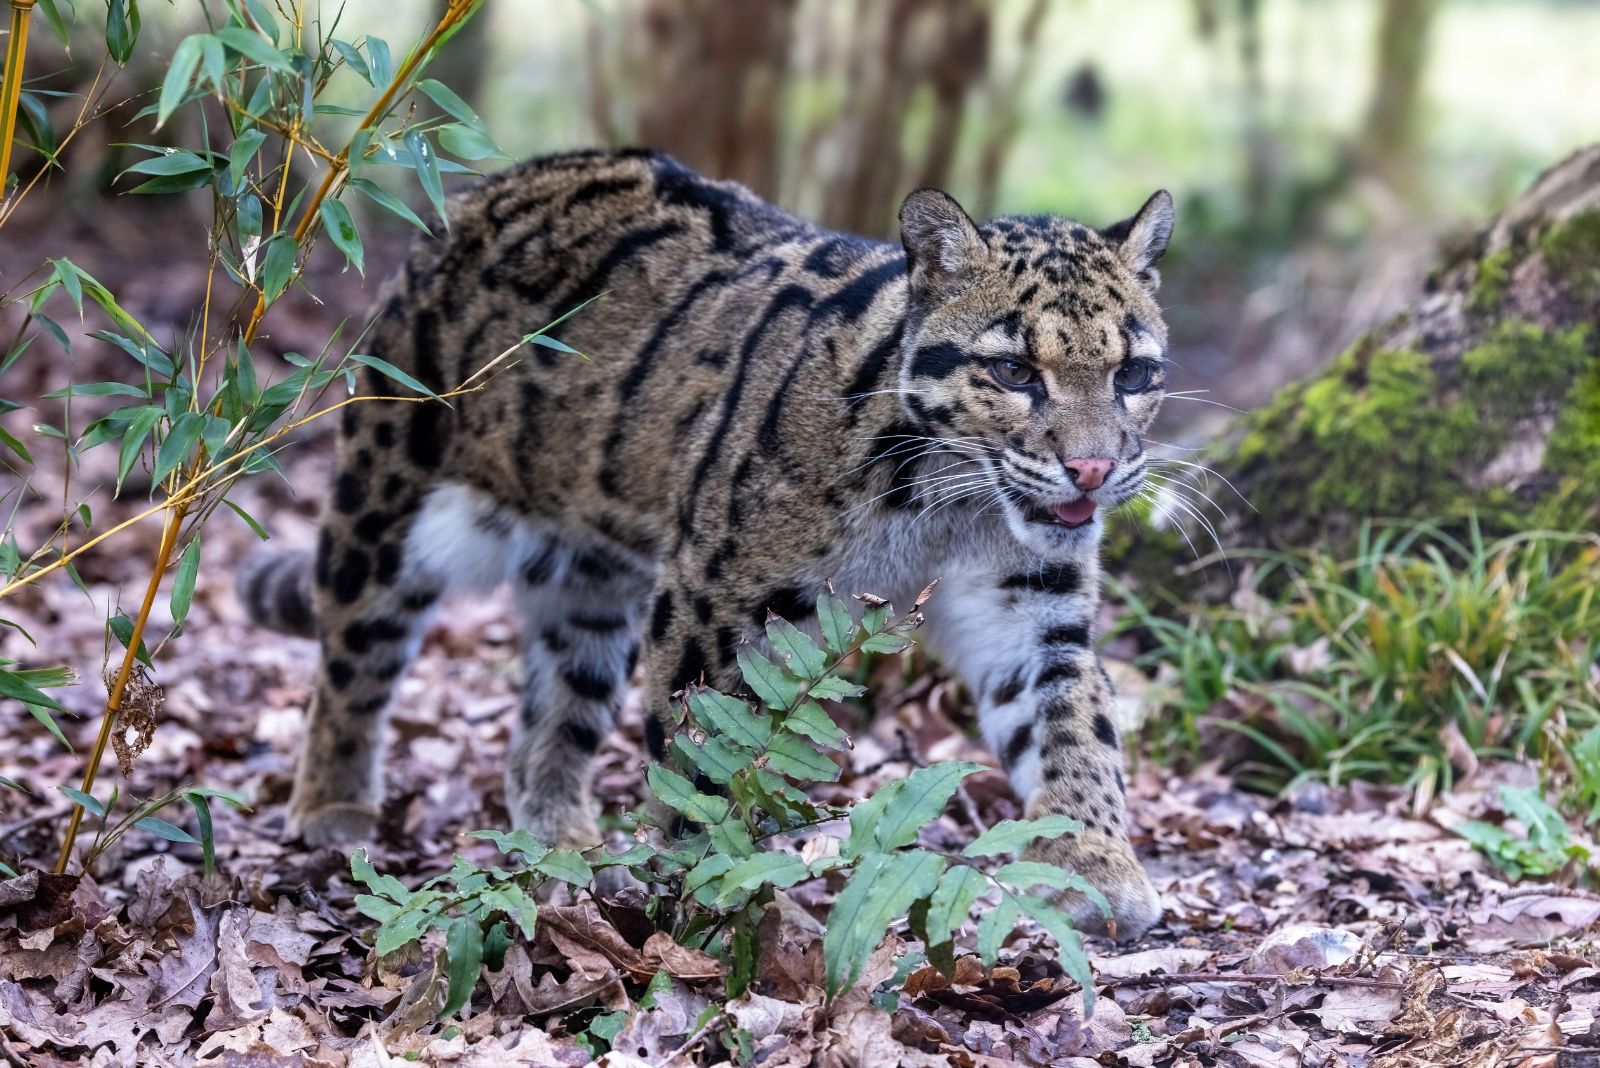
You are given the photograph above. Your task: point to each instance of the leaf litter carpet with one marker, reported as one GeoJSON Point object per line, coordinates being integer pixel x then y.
{"type": "Point", "coordinates": [1327, 927]}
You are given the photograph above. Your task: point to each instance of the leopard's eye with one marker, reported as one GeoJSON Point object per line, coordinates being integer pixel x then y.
{"type": "Point", "coordinates": [1133, 376]}
{"type": "Point", "coordinates": [1013, 374]}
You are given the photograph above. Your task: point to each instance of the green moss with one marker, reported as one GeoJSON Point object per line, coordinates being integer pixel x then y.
{"type": "Point", "coordinates": [1371, 436]}
{"type": "Point", "coordinates": [1519, 365]}
{"type": "Point", "coordinates": [1489, 285]}
{"type": "Point", "coordinates": [1572, 251]}
{"type": "Point", "coordinates": [1381, 433]}
{"type": "Point", "coordinates": [1572, 455]}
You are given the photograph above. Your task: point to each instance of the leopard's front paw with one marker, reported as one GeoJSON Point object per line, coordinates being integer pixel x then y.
{"type": "Point", "coordinates": [332, 824]}
{"type": "Point", "coordinates": [1108, 865]}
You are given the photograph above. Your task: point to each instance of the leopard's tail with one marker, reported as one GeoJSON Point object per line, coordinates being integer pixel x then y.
{"type": "Point", "coordinates": [275, 589]}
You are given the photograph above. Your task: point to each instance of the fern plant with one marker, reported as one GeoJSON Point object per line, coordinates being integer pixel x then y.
{"type": "Point", "coordinates": [734, 777]}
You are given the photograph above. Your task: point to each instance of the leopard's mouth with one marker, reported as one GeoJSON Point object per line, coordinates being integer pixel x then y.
{"type": "Point", "coordinates": [1072, 514]}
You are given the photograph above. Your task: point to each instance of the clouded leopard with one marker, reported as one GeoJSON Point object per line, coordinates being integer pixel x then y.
{"type": "Point", "coordinates": [768, 406]}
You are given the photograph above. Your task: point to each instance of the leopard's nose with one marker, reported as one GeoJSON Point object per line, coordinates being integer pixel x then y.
{"type": "Point", "coordinates": [1089, 473]}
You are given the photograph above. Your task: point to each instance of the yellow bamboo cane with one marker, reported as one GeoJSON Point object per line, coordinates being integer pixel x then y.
{"type": "Point", "coordinates": [176, 512]}
{"type": "Point", "coordinates": [113, 709]}
{"type": "Point", "coordinates": [16, 51]}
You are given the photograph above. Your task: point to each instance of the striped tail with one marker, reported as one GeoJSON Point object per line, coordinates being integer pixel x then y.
{"type": "Point", "coordinates": [275, 589]}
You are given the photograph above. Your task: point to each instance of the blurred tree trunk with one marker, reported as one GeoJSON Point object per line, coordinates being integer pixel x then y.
{"type": "Point", "coordinates": [880, 84]}
{"type": "Point", "coordinates": [715, 84]}
{"type": "Point", "coordinates": [1002, 118]}
{"type": "Point", "coordinates": [1388, 140]}
{"type": "Point", "coordinates": [1482, 398]}
{"type": "Point", "coordinates": [814, 103]}
{"type": "Point", "coordinates": [1258, 142]}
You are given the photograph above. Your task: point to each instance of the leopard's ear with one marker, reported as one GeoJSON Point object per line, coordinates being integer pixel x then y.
{"type": "Point", "coordinates": [1143, 237]}
{"type": "Point", "coordinates": [942, 245]}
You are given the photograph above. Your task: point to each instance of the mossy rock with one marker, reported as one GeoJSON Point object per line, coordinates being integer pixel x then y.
{"type": "Point", "coordinates": [1483, 400]}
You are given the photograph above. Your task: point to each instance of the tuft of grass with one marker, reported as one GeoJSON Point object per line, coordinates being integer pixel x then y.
{"type": "Point", "coordinates": [1383, 665]}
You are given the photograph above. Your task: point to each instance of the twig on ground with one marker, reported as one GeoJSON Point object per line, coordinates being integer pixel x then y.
{"type": "Point", "coordinates": [12, 1056]}
{"type": "Point", "coordinates": [712, 1025]}
{"type": "Point", "coordinates": [1182, 978]}
{"type": "Point", "coordinates": [970, 809]}
{"type": "Point", "coordinates": [1550, 891]}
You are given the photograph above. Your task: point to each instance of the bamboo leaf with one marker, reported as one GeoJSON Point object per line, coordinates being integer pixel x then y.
{"type": "Point", "coordinates": [254, 48]}
{"type": "Point", "coordinates": [122, 29]}
{"type": "Point", "coordinates": [66, 272]}
{"type": "Point", "coordinates": [447, 99]}
{"type": "Point", "coordinates": [17, 685]}
{"type": "Point", "coordinates": [135, 438]}
{"type": "Point", "coordinates": [546, 341]}
{"type": "Point", "coordinates": [342, 230]}
{"type": "Point", "coordinates": [381, 65]}
{"type": "Point", "coordinates": [185, 61]}
{"type": "Point", "coordinates": [178, 444]}
{"type": "Point", "coordinates": [388, 202]}
{"type": "Point", "coordinates": [249, 520]}
{"type": "Point", "coordinates": [183, 580]}
{"type": "Point", "coordinates": [121, 628]}
{"type": "Point", "coordinates": [15, 446]}
{"type": "Point", "coordinates": [426, 165]}
{"type": "Point", "coordinates": [468, 142]}
{"type": "Point", "coordinates": [99, 389]}
{"type": "Point", "coordinates": [245, 147]}
{"type": "Point", "coordinates": [202, 819]}
{"type": "Point", "coordinates": [169, 831]}
{"type": "Point", "coordinates": [277, 266]}
{"type": "Point", "coordinates": [168, 162]}
{"type": "Point", "coordinates": [90, 804]}
{"type": "Point", "coordinates": [353, 59]}
{"type": "Point", "coordinates": [390, 371]}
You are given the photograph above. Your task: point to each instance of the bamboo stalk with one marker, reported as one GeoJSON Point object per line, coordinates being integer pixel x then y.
{"type": "Point", "coordinates": [194, 486]}
{"type": "Point", "coordinates": [178, 501]}
{"type": "Point", "coordinates": [340, 166]}
{"type": "Point", "coordinates": [16, 52]}
{"type": "Point", "coordinates": [169, 539]}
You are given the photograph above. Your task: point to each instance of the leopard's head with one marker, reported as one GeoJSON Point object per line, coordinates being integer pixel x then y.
{"type": "Point", "coordinates": [1034, 348]}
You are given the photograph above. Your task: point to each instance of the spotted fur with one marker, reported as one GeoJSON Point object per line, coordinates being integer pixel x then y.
{"type": "Point", "coordinates": [766, 406]}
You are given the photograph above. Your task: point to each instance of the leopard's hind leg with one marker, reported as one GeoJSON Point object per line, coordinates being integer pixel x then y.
{"type": "Point", "coordinates": [371, 592]}
{"type": "Point", "coordinates": [582, 609]}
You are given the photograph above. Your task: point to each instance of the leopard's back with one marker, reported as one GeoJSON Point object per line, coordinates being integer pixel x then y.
{"type": "Point", "coordinates": [711, 310]}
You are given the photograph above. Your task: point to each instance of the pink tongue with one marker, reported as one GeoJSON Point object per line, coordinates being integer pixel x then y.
{"type": "Point", "coordinates": [1079, 511]}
